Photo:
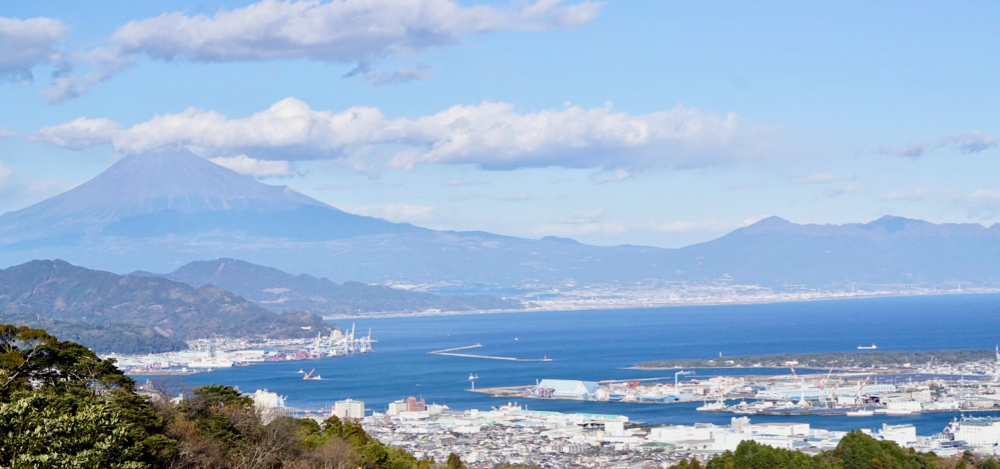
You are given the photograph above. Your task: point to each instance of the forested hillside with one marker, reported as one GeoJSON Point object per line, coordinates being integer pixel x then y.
{"type": "Point", "coordinates": [61, 406]}
{"type": "Point", "coordinates": [144, 311]}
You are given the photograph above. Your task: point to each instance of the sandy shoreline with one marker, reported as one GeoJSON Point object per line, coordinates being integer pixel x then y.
{"type": "Point", "coordinates": [611, 305]}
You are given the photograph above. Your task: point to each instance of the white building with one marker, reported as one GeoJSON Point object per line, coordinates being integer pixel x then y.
{"type": "Point", "coordinates": [778, 429]}
{"type": "Point", "coordinates": [679, 433]}
{"type": "Point", "coordinates": [349, 409]}
{"type": "Point", "coordinates": [904, 406]}
{"type": "Point", "coordinates": [568, 388]}
{"type": "Point", "coordinates": [269, 404]}
{"type": "Point", "coordinates": [977, 431]}
{"type": "Point", "coordinates": [614, 429]}
{"type": "Point", "coordinates": [902, 435]}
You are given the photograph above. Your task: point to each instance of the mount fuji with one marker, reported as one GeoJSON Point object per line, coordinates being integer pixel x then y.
{"type": "Point", "coordinates": [157, 212]}
{"type": "Point", "coordinates": [162, 194]}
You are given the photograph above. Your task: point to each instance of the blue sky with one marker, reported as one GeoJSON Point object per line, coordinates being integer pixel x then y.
{"type": "Point", "coordinates": [660, 123]}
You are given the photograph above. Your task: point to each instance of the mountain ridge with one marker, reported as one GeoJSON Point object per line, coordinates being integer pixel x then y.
{"type": "Point", "coordinates": [280, 291]}
{"type": "Point", "coordinates": [55, 290]}
{"type": "Point", "coordinates": [276, 227]}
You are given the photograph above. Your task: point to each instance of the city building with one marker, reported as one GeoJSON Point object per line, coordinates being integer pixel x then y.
{"type": "Point", "coordinates": [349, 409]}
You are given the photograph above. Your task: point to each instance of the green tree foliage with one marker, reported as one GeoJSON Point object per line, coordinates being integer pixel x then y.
{"type": "Point", "coordinates": [689, 464]}
{"type": "Point", "coordinates": [856, 450]}
{"type": "Point", "coordinates": [752, 455]}
{"type": "Point", "coordinates": [62, 406]}
{"type": "Point", "coordinates": [93, 435]}
{"type": "Point", "coordinates": [454, 462]}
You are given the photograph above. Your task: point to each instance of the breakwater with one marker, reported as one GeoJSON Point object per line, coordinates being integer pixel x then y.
{"type": "Point", "coordinates": [451, 352]}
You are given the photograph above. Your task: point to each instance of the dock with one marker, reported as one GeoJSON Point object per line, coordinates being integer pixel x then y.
{"type": "Point", "coordinates": [451, 353]}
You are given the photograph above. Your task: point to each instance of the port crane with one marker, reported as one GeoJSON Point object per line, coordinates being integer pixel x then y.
{"type": "Point", "coordinates": [341, 343]}
{"type": "Point", "coordinates": [802, 388]}
{"type": "Point", "coordinates": [831, 398]}
{"type": "Point", "coordinates": [861, 385]}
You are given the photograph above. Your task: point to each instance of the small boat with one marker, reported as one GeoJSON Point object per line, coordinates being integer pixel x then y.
{"type": "Point", "coordinates": [309, 376]}
{"type": "Point", "coordinates": [860, 413]}
{"type": "Point", "coordinates": [712, 406]}
{"type": "Point", "coordinates": [863, 347]}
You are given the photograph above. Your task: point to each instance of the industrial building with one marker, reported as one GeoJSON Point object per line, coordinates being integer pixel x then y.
{"type": "Point", "coordinates": [566, 389]}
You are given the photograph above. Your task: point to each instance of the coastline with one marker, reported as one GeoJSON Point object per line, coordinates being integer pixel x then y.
{"type": "Point", "coordinates": [564, 307]}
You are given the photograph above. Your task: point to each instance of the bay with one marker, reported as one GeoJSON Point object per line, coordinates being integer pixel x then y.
{"type": "Point", "coordinates": [599, 344]}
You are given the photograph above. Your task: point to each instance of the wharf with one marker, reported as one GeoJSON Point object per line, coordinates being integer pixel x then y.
{"type": "Point", "coordinates": [163, 372]}
{"type": "Point", "coordinates": [451, 353]}
{"type": "Point", "coordinates": [505, 391]}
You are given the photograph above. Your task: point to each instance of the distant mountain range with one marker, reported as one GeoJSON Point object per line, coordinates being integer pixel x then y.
{"type": "Point", "coordinates": [110, 312]}
{"type": "Point", "coordinates": [284, 292]}
{"type": "Point", "coordinates": [158, 212]}
{"type": "Point", "coordinates": [890, 250]}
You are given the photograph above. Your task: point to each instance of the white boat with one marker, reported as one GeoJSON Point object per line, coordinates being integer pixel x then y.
{"type": "Point", "coordinates": [863, 347]}
{"type": "Point", "coordinates": [860, 413]}
{"type": "Point", "coordinates": [712, 406]}
{"type": "Point", "coordinates": [214, 363]}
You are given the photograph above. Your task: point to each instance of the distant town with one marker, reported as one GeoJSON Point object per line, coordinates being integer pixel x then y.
{"type": "Point", "coordinates": [659, 293]}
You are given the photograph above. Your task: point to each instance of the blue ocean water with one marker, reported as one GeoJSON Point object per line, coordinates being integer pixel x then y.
{"type": "Point", "coordinates": [598, 344]}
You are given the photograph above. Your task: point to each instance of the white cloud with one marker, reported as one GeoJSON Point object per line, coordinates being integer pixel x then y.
{"type": "Point", "coordinates": [6, 133]}
{"type": "Point", "coordinates": [79, 133]}
{"type": "Point", "coordinates": [971, 142]}
{"type": "Point", "coordinates": [910, 150]}
{"type": "Point", "coordinates": [494, 135]}
{"type": "Point", "coordinates": [966, 143]}
{"type": "Point", "coordinates": [27, 43]}
{"type": "Point", "coordinates": [362, 33]}
{"type": "Point", "coordinates": [491, 134]}
{"type": "Point", "coordinates": [395, 212]}
{"type": "Point", "coordinates": [243, 164]}
{"type": "Point", "coordinates": [98, 65]}
{"type": "Point", "coordinates": [982, 203]}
